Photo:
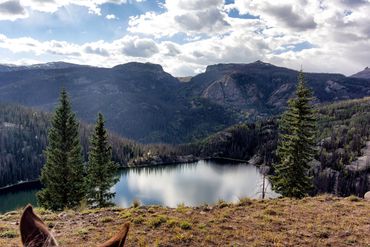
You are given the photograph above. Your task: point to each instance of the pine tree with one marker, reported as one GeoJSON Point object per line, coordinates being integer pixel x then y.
{"type": "Point", "coordinates": [296, 144]}
{"type": "Point", "coordinates": [101, 170]}
{"type": "Point", "coordinates": [63, 173]}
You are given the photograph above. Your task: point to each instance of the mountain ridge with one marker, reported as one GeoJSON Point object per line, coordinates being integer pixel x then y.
{"type": "Point", "coordinates": [364, 74]}
{"type": "Point", "coordinates": [143, 102]}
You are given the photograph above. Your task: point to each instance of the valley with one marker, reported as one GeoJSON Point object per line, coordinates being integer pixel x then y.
{"type": "Point", "coordinates": [184, 123]}
{"type": "Point", "coordinates": [249, 135]}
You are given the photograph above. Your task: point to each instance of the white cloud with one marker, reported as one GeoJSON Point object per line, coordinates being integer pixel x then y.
{"type": "Point", "coordinates": [336, 33]}
{"type": "Point", "coordinates": [16, 9]}
{"type": "Point", "coordinates": [190, 17]}
{"type": "Point", "coordinates": [137, 47]}
{"type": "Point", "coordinates": [111, 17]}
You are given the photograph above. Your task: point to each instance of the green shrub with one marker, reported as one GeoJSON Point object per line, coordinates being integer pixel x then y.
{"type": "Point", "coordinates": [353, 198]}
{"type": "Point", "coordinates": [106, 219]}
{"type": "Point", "coordinates": [185, 225]}
{"type": "Point", "coordinates": [8, 234]}
{"type": "Point", "coordinates": [157, 221]}
{"type": "Point", "coordinates": [138, 220]}
{"type": "Point", "coordinates": [136, 203]}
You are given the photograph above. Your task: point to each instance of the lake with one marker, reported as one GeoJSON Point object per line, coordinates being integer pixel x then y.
{"type": "Point", "coordinates": [192, 184]}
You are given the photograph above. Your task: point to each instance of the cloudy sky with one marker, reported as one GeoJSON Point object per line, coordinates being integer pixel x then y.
{"type": "Point", "coordinates": [185, 36]}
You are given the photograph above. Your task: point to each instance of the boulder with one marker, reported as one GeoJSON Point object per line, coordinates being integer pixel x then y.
{"type": "Point", "coordinates": [367, 196]}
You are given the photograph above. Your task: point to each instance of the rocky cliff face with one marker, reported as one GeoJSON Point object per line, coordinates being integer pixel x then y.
{"type": "Point", "coordinates": [260, 89]}
{"type": "Point", "coordinates": [348, 182]}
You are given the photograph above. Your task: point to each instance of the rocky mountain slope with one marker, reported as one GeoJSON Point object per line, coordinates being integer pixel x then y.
{"type": "Point", "coordinates": [139, 101]}
{"type": "Point", "coordinates": [143, 102]}
{"type": "Point", "coordinates": [365, 74]}
{"type": "Point", "coordinates": [262, 89]}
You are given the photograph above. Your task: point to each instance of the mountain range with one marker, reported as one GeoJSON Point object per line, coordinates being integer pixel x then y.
{"type": "Point", "coordinates": [143, 102]}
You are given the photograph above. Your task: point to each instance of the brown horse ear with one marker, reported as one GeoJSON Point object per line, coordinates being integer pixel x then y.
{"type": "Point", "coordinates": [34, 232]}
{"type": "Point", "coordinates": [119, 239]}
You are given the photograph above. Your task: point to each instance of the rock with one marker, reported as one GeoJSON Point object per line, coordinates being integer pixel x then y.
{"type": "Point", "coordinates": [62, 215]}
{"type": "Point", "coordinates": [367, 196]}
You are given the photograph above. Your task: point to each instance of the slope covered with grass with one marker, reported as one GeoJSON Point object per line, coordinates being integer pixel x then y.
{"type": "Point", "coordinates": [316, 221]}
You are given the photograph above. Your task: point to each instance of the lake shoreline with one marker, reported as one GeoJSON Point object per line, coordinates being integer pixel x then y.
{"type": "Point", "coordinates": [194, 183]}
{"type": "Point", "coordinates": [177, 161]}
{"type": "Point", "coordinates": [19, 186]}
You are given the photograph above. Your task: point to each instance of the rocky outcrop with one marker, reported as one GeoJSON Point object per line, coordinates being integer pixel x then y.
{"type": "Point", "coordinates": [363, 162]}
{"type": "Point", "coordinates": [365, 74]}
{"type": "Point", "coordinates": [225, 92]}
{"type": "Point", "coordinates": [261, 89]}
{"type": "Point", "coordinates": [354, 179]}
{"type": "Point", "coordinates": [367, 196]}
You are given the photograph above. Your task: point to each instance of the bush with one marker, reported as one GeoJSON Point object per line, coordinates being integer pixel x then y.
{"type": "Point", "coordinates": [245, 201]}
{"type": "Point", "coordinates": [138, 220]}
{"type": "Point", "coordinates": [157, 221]}
{"type": "Point", "coordinates": [136, 203]}
{"type": "Point", "coordinates": [185, 225]}
{"type": "Point", "coordinates": [8, 234]}
{"type": "Point", "coordinates": [353, 198]}
{"type": "Point", "coordinates": [106, 219]}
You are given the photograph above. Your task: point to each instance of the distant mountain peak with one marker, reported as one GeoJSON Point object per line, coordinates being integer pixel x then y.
{"type": "Point", "coordinates": [364, 74]}
{"type": "Point", "coordinates": [133, 66]}
{"type": "Point", "coordinates": [261, 62]}
{"type": "Point", "coordinates": [236, 66]}
{"type": "Point", "coordinates": [49, 65]}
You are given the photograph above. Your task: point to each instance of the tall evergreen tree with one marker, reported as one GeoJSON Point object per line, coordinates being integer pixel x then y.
{"type": "Point", "coordinates": [63, 173]}
{"type": "Point", "coordinates": [101, 170]}
{"type": "Point", "coordinates": [296, 144]}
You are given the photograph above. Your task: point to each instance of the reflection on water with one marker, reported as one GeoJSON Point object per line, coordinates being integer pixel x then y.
{"type": "Point", "coordinates": [192, 184]}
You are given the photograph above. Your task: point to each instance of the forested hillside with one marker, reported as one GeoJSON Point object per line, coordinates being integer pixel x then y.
{"type": "Point", "coordinates": [343, 131]}
{"type": "Point", "coordinates": [23, 137]}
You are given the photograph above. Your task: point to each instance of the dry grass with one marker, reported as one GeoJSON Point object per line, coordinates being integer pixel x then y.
{"type": "Point", "coordinates": [318, 221]}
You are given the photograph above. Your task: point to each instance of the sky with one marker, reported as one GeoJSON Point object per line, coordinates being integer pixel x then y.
{"type": "Point", "coordinates": [185, 36]}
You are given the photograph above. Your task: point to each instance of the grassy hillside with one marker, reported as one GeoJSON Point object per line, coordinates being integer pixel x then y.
{"type": "Point", "coordinates": [316, 221]}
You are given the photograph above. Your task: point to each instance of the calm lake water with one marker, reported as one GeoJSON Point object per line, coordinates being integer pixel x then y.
{"type": "Point", "coordinates": [192, 184]}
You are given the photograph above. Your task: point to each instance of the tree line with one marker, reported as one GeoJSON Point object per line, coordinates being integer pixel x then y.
{"type": "Point", "coordinates": [23, 138]}
{"type": "Point", "coordinates": [67, 180]}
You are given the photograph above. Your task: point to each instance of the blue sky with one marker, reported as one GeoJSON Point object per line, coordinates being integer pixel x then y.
{"type": "Point", "coordinates": [74, 23]}
{"type": "Point", "coordinates": [185, 36]}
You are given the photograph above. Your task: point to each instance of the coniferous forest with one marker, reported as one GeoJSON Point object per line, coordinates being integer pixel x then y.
{"type": "Point", "coordinates": [342, 132]}
{"type": "Point", "coordinates": [23, 138]}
